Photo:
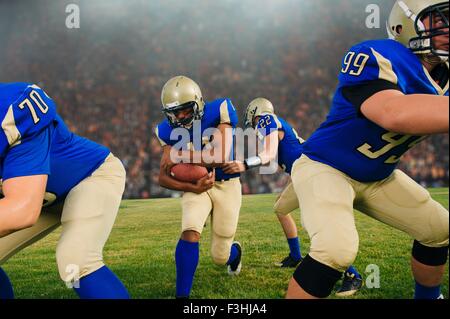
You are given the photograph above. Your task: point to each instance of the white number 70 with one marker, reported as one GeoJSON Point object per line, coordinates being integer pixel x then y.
{"type": "Point", "coordinates": [39, 102]}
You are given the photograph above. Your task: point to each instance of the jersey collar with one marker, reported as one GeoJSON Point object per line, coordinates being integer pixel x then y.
{"type": "Point", "coordinates": [439, 89]}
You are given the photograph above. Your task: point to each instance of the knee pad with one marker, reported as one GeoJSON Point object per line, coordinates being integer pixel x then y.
{"type": "Point", "coordinates": [75, 264]}
{"type": "Point", "coordinates": [220, 252]}
{"type": "Point", "coordinates": [435, 233]}
{"type": "Point", "coordinates": [219, 260]}
{"type": "Point", "coordinates": [69, 269]}
{"type": "Point", "coordinates": [221, 245]}
{"type": "Point", "coordinates": [430, 256]}
{"type": "Point", "coordinates": [282, 210]}
{"type": "Point", "coordinates": [344, 258]}
{"type": "Point", "coordinates": [338, 256]}
{"type": "Point", "coordinates": [276, 208]}
{"type": "Point", "coordinates": [316, 278]}
{"type": "Point", "coordinates": [286, 202]}
{"type": "Point", "coordinates": [224, 230]}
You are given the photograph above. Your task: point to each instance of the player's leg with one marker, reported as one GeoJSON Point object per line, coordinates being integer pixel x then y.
{"type": "Point", "coordinates": [285, 204]}
{"type": "Point", "coordinates": [290, 230]}
{"type": "Point", "coordinates": [196, 209]}
{"type": "Point", "coordinates": [90, 210]}
{"type": "Point", "coordinates": [48, 221]}
{"type": "Point", "coordinates": [6, 288]}
{"type": "Point", "coordinates": [227, 199]}
{"type": "Point", "coordinates": [326, 202]}
{"type": "Point", "coordinates": [402, 203]}
{"type": "Point", "coordinates": [428, 268]}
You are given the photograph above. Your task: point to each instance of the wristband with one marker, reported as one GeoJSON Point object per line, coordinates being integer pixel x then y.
{"type": "Point", "coordinates": [252, 162]}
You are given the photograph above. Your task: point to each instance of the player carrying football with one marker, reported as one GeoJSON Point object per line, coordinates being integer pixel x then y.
{"type": "Point", "coordinates": [217, 194]}
{"type": "Point", "coordinates": [80, 183]}
{"type": "Point", "coordinates": [392, 94]}
{"type": "Point", "coordinates": [283, 142]}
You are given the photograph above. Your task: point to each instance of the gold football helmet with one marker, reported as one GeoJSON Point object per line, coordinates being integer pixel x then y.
{"type": "Point", "coordinates": [406, 26]}
{"type": "Point", "coordinates": [178, 94]}
{"type": "Point", "coordinates": [257, 107]}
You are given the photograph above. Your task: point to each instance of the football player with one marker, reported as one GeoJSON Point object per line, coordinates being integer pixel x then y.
{"type": "Point", "coordinates": [217, 194]}
{"type": "Point", "coordinates": [392, 94]}
{"type": "Point", "coordinates": [52, 177]}
{"type": "Point", "coordinates": [282, 142]}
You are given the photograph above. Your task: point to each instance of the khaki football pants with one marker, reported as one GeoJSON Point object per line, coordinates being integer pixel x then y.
{"type": "Point", "coordinates": [86, 216]}
{"type": "Point", "coordinates": [223, 203]}
{"type": "Point", "coordinates": [287, 201]}
{"type": "Point", "coordinates": [327, 198]}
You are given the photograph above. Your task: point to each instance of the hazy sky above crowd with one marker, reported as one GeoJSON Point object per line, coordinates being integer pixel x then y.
{"type": "Point", "coordinates": [211, 19]}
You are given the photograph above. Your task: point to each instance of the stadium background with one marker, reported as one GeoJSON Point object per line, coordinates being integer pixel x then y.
{"type": "Point", "coordinates": [106, 76]}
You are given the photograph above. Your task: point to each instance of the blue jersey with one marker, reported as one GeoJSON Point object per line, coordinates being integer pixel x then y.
{"type": "Point", "coordinates": [220, 111]}
{"type": "Point", "coordinates": [290, 148]}
{"type": "Point", "coordinates": [347, 140]}
{"type": "Point", "coordinates": [35, 141]}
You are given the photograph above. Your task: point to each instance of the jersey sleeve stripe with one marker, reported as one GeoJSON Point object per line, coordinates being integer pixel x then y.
{"type": "Point", "coordinates": [10, 129]}
{"type": "Point", "coordinates": [224, 115]}
{"type": "Point", "coordinates": [277, 121]}
{"type": "Point", "coordinates": [159, 139]}
{"type": "Point", "coordinates": [385, 66]}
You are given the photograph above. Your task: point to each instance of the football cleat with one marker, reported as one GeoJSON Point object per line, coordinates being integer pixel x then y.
{"type": "Point", "coordinates": [288, 262]}
{"type": "Point", "coordinates": [235, 267]}
{"type": "Point", "coordinates": [350, 285]}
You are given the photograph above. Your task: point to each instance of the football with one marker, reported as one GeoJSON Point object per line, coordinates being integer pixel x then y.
{"type": "Point", "coordinates": [190, 173]}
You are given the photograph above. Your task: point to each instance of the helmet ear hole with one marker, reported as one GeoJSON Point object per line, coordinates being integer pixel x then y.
{"type": "Point", "coordinates": [398, 29]}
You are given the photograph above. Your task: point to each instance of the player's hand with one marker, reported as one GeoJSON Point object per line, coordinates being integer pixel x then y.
{"type": "Point", "coordinates": [233, 167]}
{"type": "Point", "coordinates": [167, 165]}
{"type": "Point", "coordinates": [205, 183]}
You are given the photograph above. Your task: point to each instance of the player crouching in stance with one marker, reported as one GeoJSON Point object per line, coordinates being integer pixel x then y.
{"type": "Point", "coordinates": [217, 194]}
{"type": "Point", "coordinates": [282, 141]}
{"type": "Point", "coordinates": [392, 93]}
{"type": "Point", "coordinates": [80, 183]}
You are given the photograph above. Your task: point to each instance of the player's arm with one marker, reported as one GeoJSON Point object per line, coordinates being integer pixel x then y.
{"type": "Point", "coordinates": [218, 151]}
{"type": "Point", "coordinates": [21, 206]}
{"type": "Point", "coordinates": [214, 155]}
{"type": "Point", "coordinates": [26, 164]}
{"type": "Point", "coordinates": [270, 148]}
{"type": "Point", "coordinates": [415, 114]}
{"type": "Point", "coordinates": [265, 157]}
{"type": "Point", "coordinates": [222, 145]}
{"type": "Point", "coordinates": [369, 81]}
{"type": "Point", "coordinates": [167, 181]}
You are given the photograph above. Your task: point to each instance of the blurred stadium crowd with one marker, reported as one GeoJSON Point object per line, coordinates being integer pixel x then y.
{"type": "Point", "coordinates": [106, 76]}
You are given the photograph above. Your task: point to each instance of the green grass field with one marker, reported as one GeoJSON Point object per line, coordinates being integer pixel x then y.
{"type": "Point", "coordinates": [141, 252]}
